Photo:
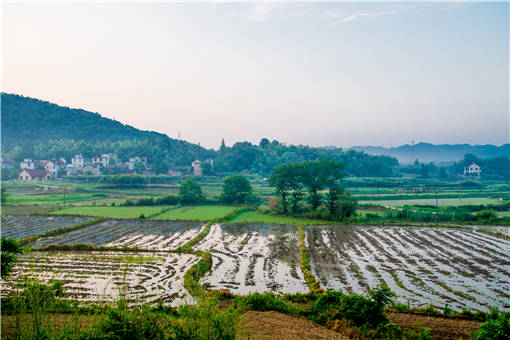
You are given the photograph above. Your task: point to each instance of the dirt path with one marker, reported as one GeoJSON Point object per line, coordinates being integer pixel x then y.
{"type": "Point", "coordinates": [441, 328]}
{"type": "Point", "coordinates": [274, 325]}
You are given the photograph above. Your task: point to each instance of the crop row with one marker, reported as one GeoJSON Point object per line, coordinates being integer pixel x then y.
{"type": "Point", "coordinates": [461, 268]}
{"type": "Point", "coordinates": [21, 226]}
{"type": "Point", "coordinates": [102, 276]}
{"type": "Point", "coordinates": [145, 234]}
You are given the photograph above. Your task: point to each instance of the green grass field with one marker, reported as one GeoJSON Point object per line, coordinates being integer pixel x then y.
{"type": "Point", "coordinates": [503, 213]}
{"type": "Point", "coordinates": [443, 202]}
{"type": "Point", "coordinates": [52, 199]}
{"type": "Point", "coordinates": [111, 212]}
{"type": "Point", "coordinates": [255, 217]}
{"type": "Point", "coordinates": [200, 213]}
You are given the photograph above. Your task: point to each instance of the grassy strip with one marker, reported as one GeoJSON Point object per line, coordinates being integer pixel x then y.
{"type": "Point", "coordinates": [160, 212]}
{"type": "Point", "coordinates": [198, 270]}
{"type": "Point", "coordinates": [494, 233]}
{"type": "Point", "coordinates": [304, 263]}
{"type": "Point", "coordinates": [88, 247]}
{"type": "Point", "coordinates": [59, 231]}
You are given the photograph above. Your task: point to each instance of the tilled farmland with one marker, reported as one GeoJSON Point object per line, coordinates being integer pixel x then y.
{"type": "Point", "coordinates": [102, 276]}
{"type": "Point", "coordinates": [459, 267]}
{"type": "Point", "coordinates": [254, 258]}
{"type": "Point", "coordinates": [144, 234]}
{"type": "Point", "coordinates": [20, 226]}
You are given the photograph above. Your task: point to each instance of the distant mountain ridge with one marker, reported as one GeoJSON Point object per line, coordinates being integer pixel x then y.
{"type": "Point", "coordinates": [427, 152]}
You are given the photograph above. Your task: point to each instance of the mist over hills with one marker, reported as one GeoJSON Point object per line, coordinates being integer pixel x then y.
{"type": "Point", "coordinates": [27, 122]}
{"type": "Point", "coordinates": [426, 152]}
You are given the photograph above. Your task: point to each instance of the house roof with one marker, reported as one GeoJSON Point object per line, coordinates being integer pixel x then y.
{"type": "Point", "coordinates": [36, 172]}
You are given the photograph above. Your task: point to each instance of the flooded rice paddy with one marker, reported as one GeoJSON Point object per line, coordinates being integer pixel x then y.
{"type": "Point", "coordinates": [102, 276]}
{"type": "Point", "coordinates": [459, 267]}
{"type": "Point", "coordinates": [464, 268]}
{"type": "Point", "coordinates": [20, 226]}
{"type": "Point", "coordinates": [144, 234]}
{"type": "Point", "coordinates": [254, 258]}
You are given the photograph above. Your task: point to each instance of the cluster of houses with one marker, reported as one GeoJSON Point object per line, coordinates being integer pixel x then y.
{"type": "Point", "coordinates": [104, 164]}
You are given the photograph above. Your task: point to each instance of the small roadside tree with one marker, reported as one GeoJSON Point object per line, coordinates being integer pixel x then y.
{"type": "Point", "coordinates": [236, 189]}
{"type": "Point", "coordinates": [190, 192]}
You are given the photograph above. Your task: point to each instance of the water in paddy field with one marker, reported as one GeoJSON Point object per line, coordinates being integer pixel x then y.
{"type": "Point", "coordinates": [254, 258]}
{"type": "Point", "coordinates": [144, 234]}
{"type": "Point", "coordinates": [102, 276]}
{"type": "Point", "coordinates": [459, 267]}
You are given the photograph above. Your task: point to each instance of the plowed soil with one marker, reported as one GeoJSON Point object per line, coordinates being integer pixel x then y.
{"type": "Point", "coordinates": [274, 325]}
{"type": "Point", "coordinates": [441, 328]}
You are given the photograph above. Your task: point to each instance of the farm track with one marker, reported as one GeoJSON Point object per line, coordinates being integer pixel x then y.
{"type": "Point", "coordinates": [461, 268]}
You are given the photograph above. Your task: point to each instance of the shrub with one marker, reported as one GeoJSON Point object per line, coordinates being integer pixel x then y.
{"type": "Point", "coordinates": [497, 327]}
{"type": "Point", "coordinates": [262, 302]}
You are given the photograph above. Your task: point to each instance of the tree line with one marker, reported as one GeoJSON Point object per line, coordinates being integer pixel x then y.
{"type": "Point", "coordinates": [313, 189]}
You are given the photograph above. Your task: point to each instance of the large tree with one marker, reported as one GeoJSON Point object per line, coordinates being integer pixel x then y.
{"type": "Point", "coordinates": [236, 189]}
{"type": "Point", "coordinates": [190, 192]}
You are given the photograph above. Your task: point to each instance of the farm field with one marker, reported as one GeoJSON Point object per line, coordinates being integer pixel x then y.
{"type": "Point", "coordinates": [255, 217]}
{"type": "Point", "coordinates": [144, 234]}
{"type": "Point", "coordinates": [98, 276]}
{"type": "Point", "coordinates": [198, 213]}
{"type": "Point", "coordinates": [254, 258]}
{"type": "Point", "coordinates": [20, 226]}
{"type": "Point", "coordinates": [112, 212]}
{"type": "Point", "coordinates": [25, 209]}
{"type": "Point", "coordinates": [442, 202]}
{"type": "Point", "coordinates": [459, 267]}
{"type": "Point", "coordinates": [53, 199]}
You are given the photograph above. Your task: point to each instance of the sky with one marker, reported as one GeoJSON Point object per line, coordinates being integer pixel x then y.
{"type": "Point", "coordinates": [317, 74]}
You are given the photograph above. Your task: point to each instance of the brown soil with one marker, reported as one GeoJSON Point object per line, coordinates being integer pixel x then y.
{"type": "Point", "coordinates": [441, 327]}
{"type": "Point", "coordinates": [274, 325]}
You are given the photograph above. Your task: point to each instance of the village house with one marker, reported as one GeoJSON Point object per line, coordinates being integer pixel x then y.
{"type": "Point", "coordinates": [27, 175]}
{"type": "Point", "coordinates": [54, 167]}
{"type": "Point", "coordinates": [27, 163]}
{"type": "Point", "coordinates": [197, 169]}
{"type": "Point", "coordinates": [197, 166]}
{"type": "Point", "coordinates": [472, 170]}
{"type": "Point", "coordinates": [133, 160]}
{"type": "Point", "coordinates": [77, 164]}
{"type": "Point", "coordinates": [106, 159]}
{"type": "Point", "coordinates": [94, 169]}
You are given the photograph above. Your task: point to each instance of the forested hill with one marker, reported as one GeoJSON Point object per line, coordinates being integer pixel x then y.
{"type": "Point", "coordinates": [37, 129]}
{"type": "Point", "coordinates": [28, 120]}
{"type": "Point", "coordinates": [426, 152]}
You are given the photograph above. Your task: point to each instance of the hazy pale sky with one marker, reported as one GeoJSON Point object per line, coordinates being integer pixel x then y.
{"type": "Point", "coordinates": [303, 73]}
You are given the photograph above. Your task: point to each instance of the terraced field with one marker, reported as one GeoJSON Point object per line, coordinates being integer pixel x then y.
{"type": "Point", "coordinates": [144, 234]}
{"type": "Point", "coordinates": [20, 226]}
{"type": "Point", "coordinates": [100, 276]}
{"type": "Point", "coordinates": [459, 267]}
{"type": "Point", "coordinates": [112, 212]}
{"type": "Point", "coordinates": [254, 257]}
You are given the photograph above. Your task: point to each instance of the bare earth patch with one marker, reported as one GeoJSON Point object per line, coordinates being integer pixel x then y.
{"type": "Point", "coordinates": [441, 328]}
{"type": "Point", "coordinates": [274, 325]}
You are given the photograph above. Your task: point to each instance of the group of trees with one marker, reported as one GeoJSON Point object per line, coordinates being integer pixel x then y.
{"type": "Point", "coordinates": [319, 183]}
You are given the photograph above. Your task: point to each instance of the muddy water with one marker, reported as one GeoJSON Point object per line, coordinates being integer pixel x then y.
{"type": "Point", "coordinates": [144, 234]}
{"type": "Point", "coordinates": [254, 258]}
{"type": "Point", "coordinates": [459, 267]}
{"type": "Point", "coordinates": [19, 226]}
{"type": "Point", "coordinates": [102, 276]}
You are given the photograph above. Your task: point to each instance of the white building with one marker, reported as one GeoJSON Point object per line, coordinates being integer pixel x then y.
{"type": "Point", "coordinates": [472, 170]}
{"type": "Point", "coordinates": [197, 169]}
{"type": "Point", "coordinates": [77, 164]}
{"type": "Point", "coordinates": [53, 167]}
{"type": "Point", "coordinates": [133, 160]}
{"type": "Point", "coordinates": [105, 159]}
{"type": "Point", "coordinates": [27, 164]}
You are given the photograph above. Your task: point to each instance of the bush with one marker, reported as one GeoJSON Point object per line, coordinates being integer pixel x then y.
{"type": "Point", "coordinates": [497, 327]}
{"type": "Point", "coordinates": [262, 302]}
